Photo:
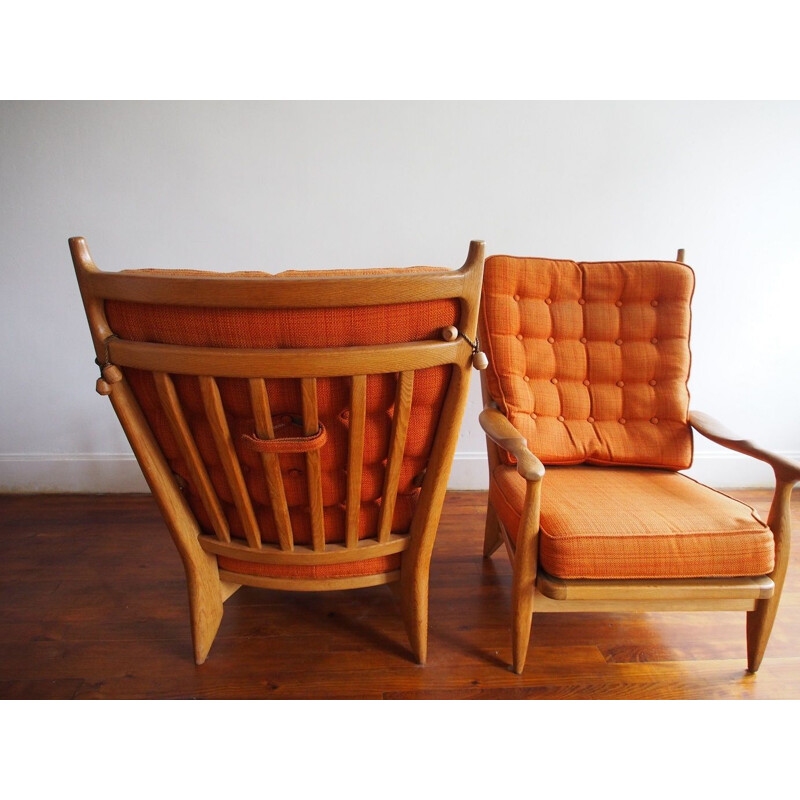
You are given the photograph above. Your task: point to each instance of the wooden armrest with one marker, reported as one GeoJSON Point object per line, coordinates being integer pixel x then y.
{"type": "Point", "coordinates": [785, 470]}
{"type": "Point", "coordinates": [497, 427]}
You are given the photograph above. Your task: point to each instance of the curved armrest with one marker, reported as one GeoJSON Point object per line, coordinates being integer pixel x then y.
{"type": "Point", "coordinates": [497, 427]}
{"type": "Point", "coordinates": [785, 470]}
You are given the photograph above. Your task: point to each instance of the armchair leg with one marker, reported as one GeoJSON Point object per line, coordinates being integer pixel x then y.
{"type": "Point", "coordinates": [492, 538]}
{"type": "Point", "coordinates": [205, 608]}
{"type": "Point", "coordinates": [522, 593]}
{"type": "Point", "coordinates": [759, 627]}
{"type": "Point", "coordinates": [760, 621]}
{"type": "Point", "coordinates": [414, 604]}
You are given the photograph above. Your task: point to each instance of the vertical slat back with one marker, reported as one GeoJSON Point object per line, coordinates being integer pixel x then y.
{"type": "Point", "coordinates": [190, 454]}
{"type": "Point", "coordinates": [262, 415]}
{"type": "Point", "coordinates": [114, 294]}
{"type": "Point", "coordinates": [400, 418]}
{"type": "Point", "coordinates": [313, 463]}
{"type": "Point", "coordinates": [212, 402]}
{"type": "Point", "coordinates": [355, 456]}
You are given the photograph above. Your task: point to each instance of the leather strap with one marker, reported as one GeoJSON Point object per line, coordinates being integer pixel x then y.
{"type": "Point", "coordinates": [287, 444]}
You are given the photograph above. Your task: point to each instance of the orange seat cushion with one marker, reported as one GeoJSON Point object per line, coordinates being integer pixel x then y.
{"type": "Point", "coordinates": [590, 361]}
{"type": "Point", "coordinates": [613, 522]}
{"type": "Point", "coordinates": [297, 328]}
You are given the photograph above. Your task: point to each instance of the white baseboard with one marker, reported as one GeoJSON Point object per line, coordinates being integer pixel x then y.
{"type": "Point", "coordinates": [119, 472]}
{"type": "Point", "coordinates": [95, 473]}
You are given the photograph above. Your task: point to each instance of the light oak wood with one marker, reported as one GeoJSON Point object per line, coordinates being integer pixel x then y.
{"type": "Point", "coordinates": [757, 588]}
{"type": "Point", "coordinates": [402, 412]}
{"type": "Point", "coordinates": [209, 586]}
{"type": "Point", "coordinates": [262, 416]}
{"type": "Point", "coordinates": [503, 434]}
{"type": "Point", "coordinates": [313, 463]}
{"type": "Point", "coordinates": [215, 413]}
{"type": "Point", "coordinates": [191, 455]}
{"type": "Point", "coordinates": [335, 553]}
{"type": "Point", "coordinates": [533, 591]}
{"type": "Point", "coordinates": [222, 362]}
{"type": "Point", "coordinates": [355, 456]}
{"type": "Point", "coordinates": [302, 290]}
{"type": "Point", "coordinates": [785, 470]}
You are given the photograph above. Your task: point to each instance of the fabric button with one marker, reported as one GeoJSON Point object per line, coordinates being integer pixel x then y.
{"type": "Point", "coordinates": [654, 420]}
{"type": "Point", "coordinates": [590, 419]}
{"type": "Point", "coordinates": [654, 303]}
{"type": "Point", "coordinates": [652, 383]}
{"type": "Point", "coordinates": [622, 420]}
{"type": "Point", "coordinates": [586, 382]}
{"type": "Point", "coordinates": [581, 302]}
{"type": "Point", "coordinates": [516, 298]}
{"type": "Point", "coordinates": [553, 380]}
{"type": "Point", "coordinates": [525, 378]}
{"type": "Point", "coordinates": [533, 416]}
{"type": "Point", "coordinates": [654, 340]}
{"type": "Point", "coordinates": [560, 418]}
{"type": "Point", "coordinates": [548, 301]}
{"type": "Point", "coordinates": [519, 336]}
{"type": "Point", "coordinates": [583, 340]}
{"type": "Point", "coordinates": [620, 384]}
{"type": "Point", "coordinates": [619, 341]}
{"type": "Point", "coordinates": [550, 339]}
{"type": "Point", "coordinates": [618, 304]}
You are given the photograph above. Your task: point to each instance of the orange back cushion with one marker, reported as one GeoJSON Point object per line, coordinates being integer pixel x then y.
{"type": "Point", "coordinates": [590, 361]}
{"type": "Point", "coordinates": [297, 328]}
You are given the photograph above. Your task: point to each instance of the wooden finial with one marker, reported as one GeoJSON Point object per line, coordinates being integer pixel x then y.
{"type": "Point", "coordinates": [479, 360]}
{"type": "Point", "coordinates": [680, 255]}
{"type": "Point", "coordinates": [102, 387]}
{"type": "Point", "coordinates": [450, 333]}
{"type": "Point", "coordinates": [112, 374]}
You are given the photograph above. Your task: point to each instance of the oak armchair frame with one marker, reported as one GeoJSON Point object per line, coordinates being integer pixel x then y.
{"type": "Point", "coordinates": [208, 585]}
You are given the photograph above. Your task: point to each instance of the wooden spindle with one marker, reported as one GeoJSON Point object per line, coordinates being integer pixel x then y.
{"type": "Point", "coordinates": [262, 415]}
{"type": "Point", "coordinates": [215, 413]}
{"type": "Point", "coordinates": [355, 457]}
{"type": "Point", "coordinates": [313, 463]}
{"type": "Point", "coordinates": [171, 405]}
{"type": "Point", "coordinates": [402, 413]}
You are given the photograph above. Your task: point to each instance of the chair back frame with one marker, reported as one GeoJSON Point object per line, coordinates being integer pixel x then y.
{"type": "Point", "coordinates": [209, 585]}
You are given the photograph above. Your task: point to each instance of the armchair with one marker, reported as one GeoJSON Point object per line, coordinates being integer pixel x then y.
{"type": "Point", "coordinates": [298, 430]}
{"type": "Point", "coordinates": [588, 426]}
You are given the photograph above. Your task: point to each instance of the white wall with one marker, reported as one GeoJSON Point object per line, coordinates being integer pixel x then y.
{"type": "Point", "coordinates": [314, 185]}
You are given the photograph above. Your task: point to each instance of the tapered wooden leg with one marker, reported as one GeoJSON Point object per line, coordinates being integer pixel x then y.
{"type": "Point", "coordinates": [522, 592]}
{"type": "Point", "coordinates": [414, 603]}
{"type": "Point", "coordinates": [202, 575]}
{"type": "Point", "coordinates": [761, 620]}
{"type": "Point", "coordinates": [525, 565]}
{"type": "Point", "coordinates": [206, 595]}
{"type": "Point", "coordinates": [759, 627]}
{"type": "Point", "coordinates": [492, 538]}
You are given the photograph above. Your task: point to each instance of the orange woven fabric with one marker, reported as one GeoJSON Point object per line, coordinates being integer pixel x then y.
{"type": "Point", "coordinates": [600, 522]}
{"type": "Point", "coordinates": [590, 361]}
{"type": "Point", "coordinates": [367, 566]}
{"type": "Point", "coordinates": [297, 328]}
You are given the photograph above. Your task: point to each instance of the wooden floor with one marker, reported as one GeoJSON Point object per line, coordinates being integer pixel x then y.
{"type": "Point", "coordinates": [94, 606]}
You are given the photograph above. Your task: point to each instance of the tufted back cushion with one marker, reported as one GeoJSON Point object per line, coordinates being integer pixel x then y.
{"type": "Point", "coordinates": [296, 328]}
{"type": "Point", "coordinates": [590, 361]}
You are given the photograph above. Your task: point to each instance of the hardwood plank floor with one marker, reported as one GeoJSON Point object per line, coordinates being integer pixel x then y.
{"type": "Point", "coordinates": [94, 605]}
